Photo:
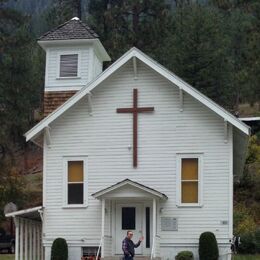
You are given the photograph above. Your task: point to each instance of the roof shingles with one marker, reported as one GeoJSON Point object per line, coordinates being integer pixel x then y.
{"type": "Point", "coordinates": [73, 29]}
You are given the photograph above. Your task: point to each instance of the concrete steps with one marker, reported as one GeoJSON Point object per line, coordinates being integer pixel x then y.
{"type": "Point", "coordinates": [137, 257]}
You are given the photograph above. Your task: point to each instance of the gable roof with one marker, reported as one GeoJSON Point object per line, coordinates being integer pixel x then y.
{"type": "Point", "coordinates": [72, 29]}
{"type": "Point", "coordinates": [134, 52]}
{"type": "Point", "coordinates": [125, 182]}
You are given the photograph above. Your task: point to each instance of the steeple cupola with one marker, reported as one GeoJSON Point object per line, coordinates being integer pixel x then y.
{"type": "Point", "coordinates": [74, 57]}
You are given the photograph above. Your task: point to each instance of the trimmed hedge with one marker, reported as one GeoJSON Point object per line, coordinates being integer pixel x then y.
{"type": "Point", "coordinates": [208, 246]}
{"type": "Point", "coordinates": [59, 249]}
{"type": "Point", "coordinates": [184, 255]}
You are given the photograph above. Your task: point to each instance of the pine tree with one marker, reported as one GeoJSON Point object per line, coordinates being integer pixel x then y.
{"type": "Point", "coordinates": [124, 24]}
{"type": "Point", "coordinates": [196, 51]}
{"type": "Point", "coordinates": [62, 11]}
{"type": "Point", "coordinates": [19, 89]}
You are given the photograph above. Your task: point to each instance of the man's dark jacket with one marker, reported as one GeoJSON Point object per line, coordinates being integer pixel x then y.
{"type": "Point", "coordinates": [129, 246]}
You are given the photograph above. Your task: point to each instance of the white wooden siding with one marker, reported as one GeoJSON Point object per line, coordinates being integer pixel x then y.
{"type": "Point", "coordinates": [98, 66]}
{"type": "Point", "coordinates": [105, 137]}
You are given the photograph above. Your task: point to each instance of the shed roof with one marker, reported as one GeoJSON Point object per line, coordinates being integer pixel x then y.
{"type": "Point", "coordinates": [31, 213]}
{"type": "Point", "coordinates": [72, 29]}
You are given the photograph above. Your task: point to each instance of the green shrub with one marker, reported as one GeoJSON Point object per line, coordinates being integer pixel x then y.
{"type": "Point", "coordinates": [208, 247]}
{"type": "Point", "coordinates": [257, 240]}
{"type": "Point", "coordinates": [59, 249]}
{"type": "Point", "coordinates": [184, 255]}
{"type": "Point", "coordinates": [248, 244]}
{"type": "Point", "coordinates": [243, 220]}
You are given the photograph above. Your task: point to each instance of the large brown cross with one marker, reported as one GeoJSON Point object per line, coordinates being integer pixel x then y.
{"type": "Point", "coordinates": [135, 110]}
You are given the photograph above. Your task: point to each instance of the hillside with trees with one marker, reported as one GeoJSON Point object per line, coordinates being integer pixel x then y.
{"type": "Point", "coordinates": [213, 45]}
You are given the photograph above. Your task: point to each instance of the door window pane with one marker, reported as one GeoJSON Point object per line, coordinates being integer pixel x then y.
{"type": "Point", "coordinates": [128, 218]}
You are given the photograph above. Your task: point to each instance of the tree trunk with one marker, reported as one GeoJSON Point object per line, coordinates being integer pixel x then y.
{"type": "Point", "coordinates": [135, 11]}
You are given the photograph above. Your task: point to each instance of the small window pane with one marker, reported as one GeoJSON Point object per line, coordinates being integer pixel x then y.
{"type": "Point", "coordinates": [189, 192]}
{"type": "Point", "coordinates": [75, 193]}
{"type": "Point", "coordinates": [128, 218]}
{"type": "Point", "coordinates": [75, 171]}
{"type": "Point", "coordinates": [69, 65]}
{"type": "Point", "coordinates": [189, 169]}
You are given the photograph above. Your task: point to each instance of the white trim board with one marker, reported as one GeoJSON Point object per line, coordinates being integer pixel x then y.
{"type": "Point", "coordinates": [24, 211]}
{"type": "Point", "coordinates": [134, 52]}
{"type": "Point", "coordinates": [79, 42]}
{"type": "Point", "coordinates": [249, 119]}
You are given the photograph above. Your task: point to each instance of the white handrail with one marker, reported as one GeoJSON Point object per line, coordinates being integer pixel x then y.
{"type": "Point", "coordinates": [153, 251]}
{"type": "Point", "coordinates": [99, 247]}
{"type": "Point", "coordinates": [153, 247]}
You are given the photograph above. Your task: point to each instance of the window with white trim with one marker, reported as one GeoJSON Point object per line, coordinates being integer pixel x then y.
{"type": "Point", "coordinates": [75, 182]}
{"type": "Point", "coordinates": [68, 65]}
{"type": "Point", "coordinates": [190, 180]}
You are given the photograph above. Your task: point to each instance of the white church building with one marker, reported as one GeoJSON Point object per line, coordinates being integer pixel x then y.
{"type": "Point", "coordinates": [132, 147]}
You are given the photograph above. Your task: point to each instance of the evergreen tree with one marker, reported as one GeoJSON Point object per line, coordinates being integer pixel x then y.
{"type": "Point", "coordinates": [239, 27]}
{"type": "Point", "coordinates": [243, 27]}
{"type": "Point", "coordinates": [19, 89]}
{"type": "Point", "coordinates": [254, 53]}
{"type": "Point", "coordinates": [63, 10]}
{"type": "Point", "coordinates": [124, 24]}
{"type": "Point", "coordinates": [196, 51]}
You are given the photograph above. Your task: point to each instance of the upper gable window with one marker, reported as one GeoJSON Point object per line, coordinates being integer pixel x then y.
{"type": "Point", "coordinates": [68, 65]}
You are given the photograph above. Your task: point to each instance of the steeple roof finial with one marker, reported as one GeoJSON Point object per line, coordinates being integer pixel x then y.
{"type": "Point", "coordinates": [71, 30]}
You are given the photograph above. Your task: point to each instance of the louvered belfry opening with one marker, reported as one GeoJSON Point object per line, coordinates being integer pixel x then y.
{"type": "Point", "coordinates": [69, 65]}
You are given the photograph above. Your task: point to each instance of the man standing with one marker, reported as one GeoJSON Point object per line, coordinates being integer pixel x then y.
{"type": "Point", "coordinates": [128, 246]}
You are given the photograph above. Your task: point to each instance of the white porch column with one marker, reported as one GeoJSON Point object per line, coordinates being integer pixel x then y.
{"type": "Point", "coordinates": [16, 221]}
{"type": "Point", "coordinates": [34, 242]}
{"type": "Point", "coordinates": [103, 226]}
{"type": "Point", "coordinates": [38, 243]}
{"type": "Point", "coordinates": [26, 239]}
{"type": "Point", "coordinates": [41, 243]}
{"type": "Point", "coordinates": [30, 241]}
{"type": "Point", "coordinates": [21, 238]}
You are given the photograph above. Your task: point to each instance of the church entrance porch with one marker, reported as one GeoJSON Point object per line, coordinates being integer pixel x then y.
{"type": "Point", "coordinates": [129, 205]}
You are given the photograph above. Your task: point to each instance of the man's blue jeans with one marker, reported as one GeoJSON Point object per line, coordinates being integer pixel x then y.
{"type": "Point", "coordinates": [128, 257]}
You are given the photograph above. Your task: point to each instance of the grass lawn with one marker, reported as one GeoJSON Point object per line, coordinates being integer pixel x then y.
{"type": "Point", "coordinates": [246, 257]}
{"type": "Point", "coordinates": [237, 257]}
{"type": "Point", "coordinates": [6, 257]}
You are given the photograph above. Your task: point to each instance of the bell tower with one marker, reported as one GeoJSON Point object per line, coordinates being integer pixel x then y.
{"type": "Point", "coordinates": [74, 57]}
